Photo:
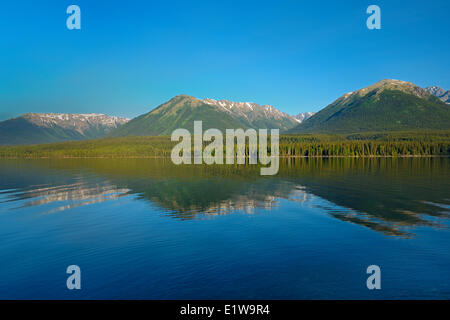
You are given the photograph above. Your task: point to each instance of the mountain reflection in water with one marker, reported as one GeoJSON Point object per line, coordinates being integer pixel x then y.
{"type": "Point", "coordinates": [386, 195]}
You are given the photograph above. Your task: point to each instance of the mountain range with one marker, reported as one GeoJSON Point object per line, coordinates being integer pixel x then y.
{"type": "Point", "coordinates": [388, 105]}
{"type": "Point", "coordinates": [32, 128]}
{"type": "Point", "coordinates": [181, 112]}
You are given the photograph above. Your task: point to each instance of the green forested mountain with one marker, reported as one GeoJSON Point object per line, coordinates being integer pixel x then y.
{"type": "Point", "coordinates": [181, 112]}
{"type": "Point", "coordinates": [388, 105]}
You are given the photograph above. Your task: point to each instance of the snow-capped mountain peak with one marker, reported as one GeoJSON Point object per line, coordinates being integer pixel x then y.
{"type": "Point", "coordinates": [303, 116]}
{"type": "Point", "coordinates": [440, 93]}
{"type": "Point", "coordinates": [78, 122]}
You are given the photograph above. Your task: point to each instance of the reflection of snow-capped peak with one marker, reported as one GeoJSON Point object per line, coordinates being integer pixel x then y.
{"type": "Point", "coordinates": [74, 195]}
{"type": "Point", "coordinates": [299, 194]}
{"type": "Point", "coordinates": [250, 203]}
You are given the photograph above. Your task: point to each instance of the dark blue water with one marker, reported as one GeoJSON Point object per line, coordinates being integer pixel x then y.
{"type": "Point", "coordinates": [146, 229]}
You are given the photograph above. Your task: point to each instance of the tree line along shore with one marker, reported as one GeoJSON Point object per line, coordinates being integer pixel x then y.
{"type": "Point", "coordinates": [384, 144]}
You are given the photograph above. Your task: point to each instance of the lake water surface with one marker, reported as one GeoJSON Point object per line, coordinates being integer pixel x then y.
{"type": "Point", "coordinates": [146, 229]}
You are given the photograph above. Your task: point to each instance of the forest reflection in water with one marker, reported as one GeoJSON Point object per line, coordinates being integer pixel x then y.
{"type": "Point", "coordinates": [388, 195]}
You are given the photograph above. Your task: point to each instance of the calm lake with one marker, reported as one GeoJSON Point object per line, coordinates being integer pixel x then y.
{"type": "Point", "coordinates": [147, 229]}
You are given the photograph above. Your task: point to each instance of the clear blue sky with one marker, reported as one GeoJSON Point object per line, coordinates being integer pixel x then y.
{"type": "Point", "coordinates": [131, 56]}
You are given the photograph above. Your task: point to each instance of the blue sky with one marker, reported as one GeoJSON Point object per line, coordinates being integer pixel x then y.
{"type": "Point", "coordinates": [130, 56]}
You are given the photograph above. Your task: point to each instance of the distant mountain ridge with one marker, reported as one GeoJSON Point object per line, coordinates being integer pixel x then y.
{"type": "Point", "coordinates": [257, 116]}
{"type": "Point", "coordinates": [182, 110]}
{"type": "Point", "coordinates": [32, 128]}
{"type": "Point", "coordinates": [304, 116]}
{"type": "Point", "coordinates": [386, 105]}
{"type": "Point", "coordinates": [440, 93]}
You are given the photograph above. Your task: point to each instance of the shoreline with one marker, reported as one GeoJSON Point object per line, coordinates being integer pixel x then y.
{"type": "Point", "coordinates": [281, 157]}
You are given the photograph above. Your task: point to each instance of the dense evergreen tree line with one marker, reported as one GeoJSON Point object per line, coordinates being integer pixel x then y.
{"type": "Point", "coordinates": [364, 148]}
{"type": "Point", "coordinates": [290, 146]}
